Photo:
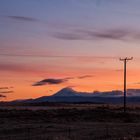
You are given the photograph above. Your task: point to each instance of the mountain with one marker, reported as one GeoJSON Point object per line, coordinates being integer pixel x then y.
{"type": "Point", "coordinates": [66, 92]}
{"type": "Point", "coordinates": [69, 95]}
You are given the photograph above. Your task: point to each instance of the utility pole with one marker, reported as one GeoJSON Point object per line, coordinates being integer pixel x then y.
{"type": "Point", "coordinates": [125, 60]}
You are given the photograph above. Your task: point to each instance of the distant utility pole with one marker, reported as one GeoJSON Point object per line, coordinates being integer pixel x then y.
{"type": "Point", "coordinates": [125, 60]}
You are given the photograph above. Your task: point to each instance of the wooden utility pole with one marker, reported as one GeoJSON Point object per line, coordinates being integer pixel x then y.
{"type": "Point", "coordinates": [125, 60]}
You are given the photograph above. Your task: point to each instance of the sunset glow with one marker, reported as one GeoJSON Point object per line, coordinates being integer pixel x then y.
{"type": "Point", "coordinates": [75, 42]}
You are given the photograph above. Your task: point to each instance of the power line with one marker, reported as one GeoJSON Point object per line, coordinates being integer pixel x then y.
{"type": "Point", "coordinates": [125, 60]}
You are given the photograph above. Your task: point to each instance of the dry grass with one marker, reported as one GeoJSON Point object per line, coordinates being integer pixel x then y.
{"type": "Point", "coordinates": [69, 122]}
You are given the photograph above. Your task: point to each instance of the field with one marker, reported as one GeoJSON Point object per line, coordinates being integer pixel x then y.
{"type": "Point", "coordinates": [69, 122]}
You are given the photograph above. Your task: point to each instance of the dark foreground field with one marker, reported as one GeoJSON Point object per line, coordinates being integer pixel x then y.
{"type": "Point", "coordinates": [69, 122]}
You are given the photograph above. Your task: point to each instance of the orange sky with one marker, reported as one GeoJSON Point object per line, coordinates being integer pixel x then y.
{"type": "Point", "coordinates": [101, 74]}
{"type": "Point", "coordinates": [72, 38]}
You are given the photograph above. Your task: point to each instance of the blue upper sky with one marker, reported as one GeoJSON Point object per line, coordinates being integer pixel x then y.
{"type": "Point", "coordinates": [70, 27]}
{"type": "Point", "coordinates": [42, 39]}
{"type": "Point", "coordinates": [97, 23]}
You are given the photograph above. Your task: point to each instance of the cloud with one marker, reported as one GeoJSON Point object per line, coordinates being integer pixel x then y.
{"type": "Point", "coordinates": [117, 34]}
{"type": "Point", "coordinates": [54, 81]}
{"type": "Point", "coordinates": [130, 92]}
{"type": "Point", "coordinates": [133, 92]}
{"type": "Point", "coordinates": [85, 76]}
{"type": "Point", "coordinates": [22, 18]}
{"type": "Point", "coordinates": [2, 96]}
{"type": "Point", "coordinates": [3, 92]}
{"type": "Point", "coordinates": [2, 88]}
{"type": "Point", "coordinates": [108, 34]}
{"type": "Point", "coordinates": [113, 93]}
{"type": "Point", "coordinates": [50, 81]}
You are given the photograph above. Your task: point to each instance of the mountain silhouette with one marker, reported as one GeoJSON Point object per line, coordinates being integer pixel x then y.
{"type": "Point", "coordinates": [66, 92]}
{"type": "Point", "coordinates": [69, 95]}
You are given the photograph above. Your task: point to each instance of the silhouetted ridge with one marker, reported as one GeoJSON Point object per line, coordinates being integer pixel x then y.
{"type": "Point", "coordinates": [69, 95]}
{"type": "Point", "coordinates": [66, 92]}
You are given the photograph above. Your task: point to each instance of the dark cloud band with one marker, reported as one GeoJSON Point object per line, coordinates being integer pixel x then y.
{"type": "Point", "coordinates": [3, 92]}
{"type": "Point", "coordinates": [50, 82]}
{"type": "Point", "coordinates": [112, 34]}
{"type": "Point", "coordinates": [2, 96]}
{"type": "Point", "coordinates": [22, 18]}
{"type": "Point", "coordinates": [53, 81]}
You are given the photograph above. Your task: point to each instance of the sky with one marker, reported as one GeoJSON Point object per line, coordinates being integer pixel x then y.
{"type": "Point", "coordinates": [46, 45]}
